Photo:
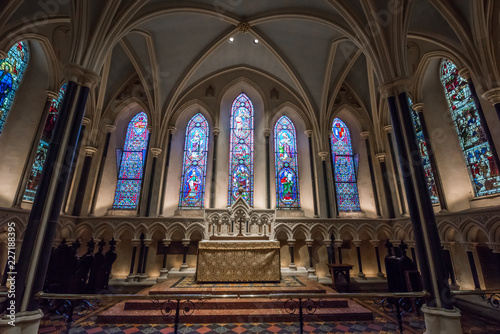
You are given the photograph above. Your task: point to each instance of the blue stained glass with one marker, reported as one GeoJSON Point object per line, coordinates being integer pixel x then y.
{"type": "Point", "coordinates": [43, 147]}
{"type": "Point", "coordinates": [345, 166]}
{"type": "Point", "coordinates": [128, 187]}
{"type": "Point", "coordinates": [241, 150]}
{"type": "Point", "coordinates": [285, 152]}
{"type": "Point", "coordinates": [429, 176]}
{"type": "Point", "coordinates": [12, 70]}
{"type": "Point", "coordinates": [194, 166]}
{"type": "Point", "coordinates": [481, 165]}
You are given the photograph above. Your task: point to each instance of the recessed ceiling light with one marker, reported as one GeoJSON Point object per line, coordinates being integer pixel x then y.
{"type": "Point", "coordinates": [231, 39]}
{"type": "Point", "coordinates": [256, 41]}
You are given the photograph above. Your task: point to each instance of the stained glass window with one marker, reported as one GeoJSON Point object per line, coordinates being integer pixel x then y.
{"type": "Point", "coordinates": [481, 165]}
{"type": "Point", "coordinates": [344, 163]}
{"type": "Point", "coordinates": [131, 168]}
{"type": "Point", "coordinates": [43, 147]}
{"type": "Point", "coordinates": [287, 170]}
{"type": "Point", "coordinates": [429, 176]}
{"type": "Point", "coordinates": [241, 150]}
{"type": "Point", "coordinates": [194, 167]}
{"type": "Point", "coordinates": [12, 70]}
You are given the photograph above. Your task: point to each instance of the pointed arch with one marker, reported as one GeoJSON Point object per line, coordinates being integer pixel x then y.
{"type": "Point", "coordinates": [345, 167]}
{"type": "Point", "coordinates": [194, 166]}
{"type": "Point", "coordinates": [286, 165]}
{"type": "Point", "coordinates": [43, 147]}
{"type": "Point", "coordinates": [481, 165]}
{"type": "Point", "coordinates": [12, 70]}
{"type": "Point", "coordinates": [241, 150]}
{"type": "Point", "coordinates": [128, 187]}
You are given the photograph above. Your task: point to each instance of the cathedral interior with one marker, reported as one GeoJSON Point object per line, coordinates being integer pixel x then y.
{"type": "Point", "coordinates": [333, 127]}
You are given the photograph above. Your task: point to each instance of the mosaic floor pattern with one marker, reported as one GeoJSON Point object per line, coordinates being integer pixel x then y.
{"type": "Point", "coordinates": [189, 282]}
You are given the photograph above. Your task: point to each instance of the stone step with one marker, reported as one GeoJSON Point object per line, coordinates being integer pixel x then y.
{"type": "Point", "coordinates": [229, 291]}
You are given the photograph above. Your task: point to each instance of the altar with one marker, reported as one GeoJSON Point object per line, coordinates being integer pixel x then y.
{"type": "Point", "coordinates": [238, 261]}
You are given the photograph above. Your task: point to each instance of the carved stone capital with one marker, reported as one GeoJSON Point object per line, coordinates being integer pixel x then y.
{"type": "Point", "coordinates": [365, 134]}
{"type": "Point", "coordinates": [267, 132]}
{"type": "Point", "coordinates": [327, 243]}
{"type": "Point", "coordinates": [494, 246]}
{"type": "Point", "coordinates": [166, 242]}
{"type": "Point", "coordinates": [410, 243]}
{"type": "Point", "coordinates": [89, 151]}
{"type": "Point", "coordinates": [172, 129]}
{"type": "Point", "coordinates": [308, 133]}
{"type": "Point", "coordinates": [85, 121]}
{"type": "Point", "coordinates": [81, 75]}
{"type": "Point", "coordinates": [493, 95]}
{"type": "Point", "coordinates": [381, 156]}
{"type": "Point", "coordinates": [388, 128]}
{"type": "Point", "coordinates": [291, 242]}
{"type": "Point", "coordinates": [357, 243]}
{"type": "Point", "coordinates": [375, 243]}
{"type": "Point", "coordinates": [447, 244]}
{"type": "Point", "coordinates": [394, 87]}
{"type": "Point", "coordinates": [135, 242]}
{"type": "Point", "coordinates": [155, 151]}
{"type": "Point", "coordinates": [323, 155]}
{"type": "Point", "coordinates": [148, 242]}
{"type": "Point", "coordinates": [216, 131]}
{"type": "Point", "coordinates": [338, 243]}
{"type": "Point", "coordinates": [469, 246]}
{"type": "Point", "coordinates": [243, 27]}
{"type": "Point", "coordinates": [464, 73]}
{"type": "Point", "coordinates": [309, 242]}
{"type": "Point", "coordinates": [186, 242]}
{"type": "Point", "coordinates": [110, 128]}
{"type": "Point", "coordinates": [51, 95]}
{"type": "Point", "coordinates": [418, 107]}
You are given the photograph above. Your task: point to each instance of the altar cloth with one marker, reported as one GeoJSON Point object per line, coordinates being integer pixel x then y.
{"type": "Point", "coordinates": [238, 261]}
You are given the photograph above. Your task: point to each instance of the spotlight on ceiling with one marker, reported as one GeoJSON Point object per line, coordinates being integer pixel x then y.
{"type": "Point", "coordinates": [231, 39]}
{"type": "Point", "coordinates": [256, 41]}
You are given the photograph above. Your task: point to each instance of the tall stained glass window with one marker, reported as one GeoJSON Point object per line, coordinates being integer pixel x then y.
{"type": "Point", "coordinates": [241, 150]}
{"type": "Point", "coordinates": [287, 170]}
{"type": "Point", "coordinates": [344, 163]}
{"type": "Point", "coordinates": [12, 70]}
{"type": "Point", "coordinates": [482, 168]}
{"type": "Point", "coordinates": [43, 147]}
{"type": "Point", "coordinates": [194, 167]}
{"type": "Point", "coordinates": [429, 176]}
{"type": "Point", "coordinates": [131, 168]}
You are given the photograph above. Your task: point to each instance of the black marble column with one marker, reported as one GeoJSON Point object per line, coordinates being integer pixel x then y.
{"type": "Point", "coordinates": [366, 136]}
{"type": "Point", "coordinates": [214, 168]}
{"type": "Point", "coordinates": [267, 134]}
{"type": "Point", "coordinates": [470, 247]}
{"type": "Point", "coordinates": [376, 244]}
{"type": "Point", "coordinates": [385, 182]}
{"type": "Point", "coordinates": [141, 256]}
{"type": "Point", "coordinates": [418, 107]}
{"type": "Point", "coordinates": [313, 174]}
{"type": "Point", "coordinates": [147, 244]}
{"type": "Point", "coordinates": [323, 156]}
{"type": "Point", "coordinates": [185, 244]}
{"type": "Point", "coordinates": [418, 198]}
{"type": "Point", "coordinates": [338, 244]}
{"type": "Point", "coordinates": [165, 171]}
{"type": "Point", "coordinates": [100, 171]}
{"type": "Point", "coordinates": [155, 151]}
{"type": "Point", "coordinates": [449, 263]}
{"type": "Point", "coordinates": [357, 244]}
{"type": "Point", "coordinates": [396, 170]}
{"type": "Point", "coordinates": [291, 244]}
{"type": "Point", "coordinates": [84, 177]}
{"type": "Point", "coordinates": [328, 245]}
{"type": "Point", "coordinates": [135, 243]}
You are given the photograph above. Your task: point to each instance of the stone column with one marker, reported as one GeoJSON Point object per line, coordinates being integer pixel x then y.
{"type": "Point", "coordinates": [331, 259]}
{"type": "Point", "coordinates": [155, 151]}
{"type": "Point", "coordinates": [494, 246]}
{"type": "Point", "coordinates": [447, 245]}
{"type": "Point", "coordinates": [387, 189]}
{"type": "Point", "coordinates": [418, 107]}
{"type": "Point", "coordinates": [366, 136]}
{"type": "Point", "coordinates": [311, 271]}
{"type": "Point", "coordinates": [216, 132]}
{"type": "Point", "coordinates": [291, 244]}
{"type": "Point", "coordinates": [470, 247]}
{"type": "Point", "coordinates": [44, 217]}
{"type": "Point", "coordinates": [313, 174]}
{"type": "Point", "coordinates": [84, 177]}
{"type": "Point", "coordinates": [185, 244]}
{"type": "Point", "coordinates": [464, 73]}
{"type": "Point", "coordinates": [171, 130]}
{"type": "Point", "coordinates": [388, 129]}
{"type": "Point", "coordinates": [493, 95]}
{"type": "Point", "coordinates": [323, 156]}
{"type": "Point", "coordinates": [100, 171]}
{"type": "Point", "coordinates": [338, 245]}
{"type": "Point", "coordinates": [147, 244]}
{"type": "Point", "coordinates": [164, 270]}
{"type": "Point", "coordinates": [267, 134]}
{"type": "Point", "coordinates": [376, 244]}
{"type": "Point", "coordinates": [357, 244]}
{"type": "Point", "coordinates": [135, 243]}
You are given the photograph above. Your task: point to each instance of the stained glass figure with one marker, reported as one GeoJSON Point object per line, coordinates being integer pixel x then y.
{"type": "Point", "coordinates": [429, 176]}
{"type": "Point", "coordinates": [128, 187]}
{"type": "Point", "coordinates": [287, 170]}
{"type": "Point", "coordinates": [481, 165]}
{"type": "Point", "coordinates": [241, 150]}
{"type": "Point", "coordinates": [12, 70]}
{"type": "Point", "coordinates": [194, 166]}
{"type": "Point", "coordinates": [344, 163]}
{"type": "Point", "coordinates": [43, 147]}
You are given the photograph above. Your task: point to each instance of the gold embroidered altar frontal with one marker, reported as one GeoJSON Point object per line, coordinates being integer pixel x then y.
{"type": "Point", "coordinates": [238, 261]}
